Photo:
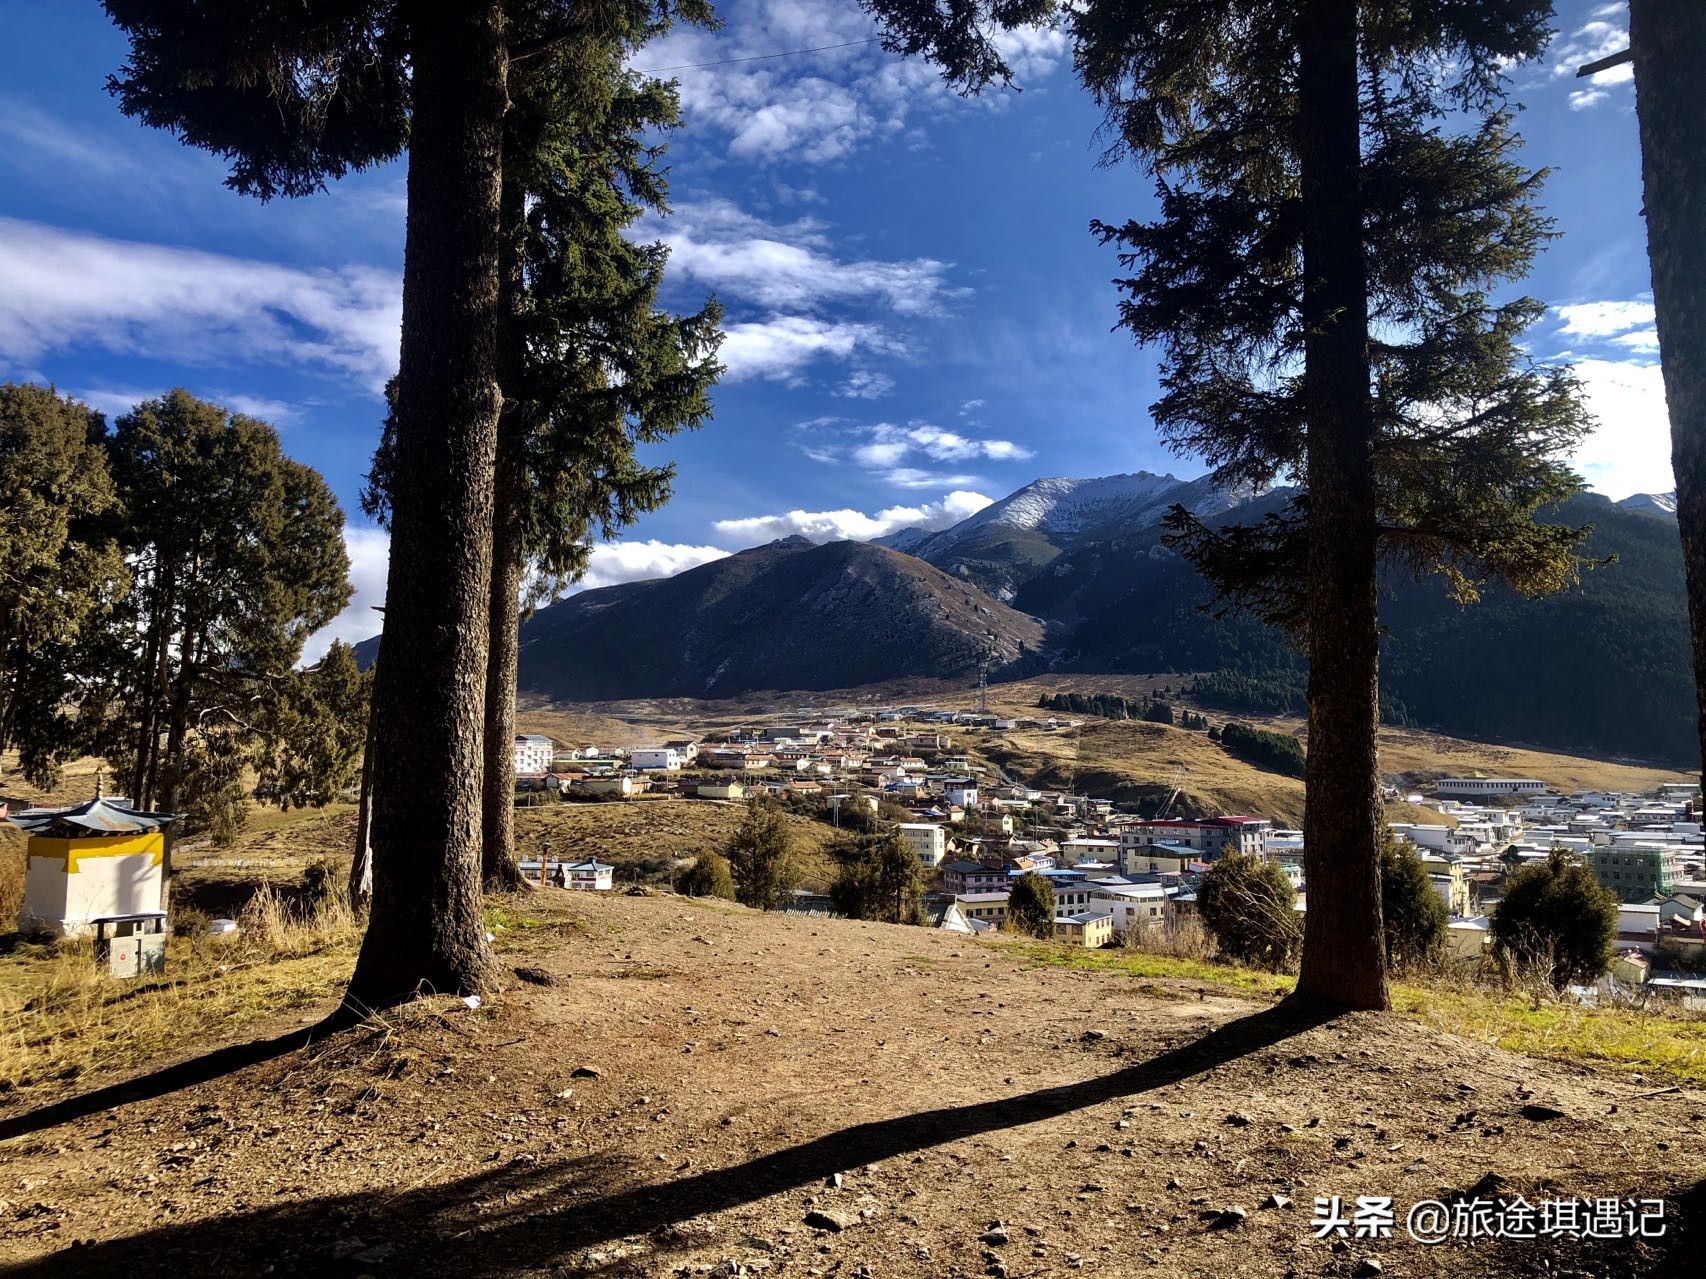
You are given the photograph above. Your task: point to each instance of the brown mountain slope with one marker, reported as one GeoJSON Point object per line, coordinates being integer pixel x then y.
{"type": "Point", "coordinates": [787, 615]}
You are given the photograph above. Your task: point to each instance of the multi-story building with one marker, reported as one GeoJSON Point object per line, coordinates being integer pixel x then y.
{"type": "Point", "coordinates": [534, 754]}
{"type": "Point", "coordinates": [928, 841]}
{"type": "Point", "coordinates": [1210, 836]}
{"type": "Point", "coordinates": [1637, 872]}
{"type": "Point", "coordinates": [1481, 787]}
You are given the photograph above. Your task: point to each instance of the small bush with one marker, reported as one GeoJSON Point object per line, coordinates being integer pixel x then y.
{"type": "Point", "coordinates": [1248, 905]}
{"type": "Point", "coordinates": [1030, 905]}
{"type": "Point", "coordinates": [1556, 919]}
{"type": "Point", "coordinates": [1415, 918]}
{"type": "Point", "coordinates": [709, 876]}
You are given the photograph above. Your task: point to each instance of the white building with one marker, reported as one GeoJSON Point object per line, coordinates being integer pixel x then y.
{"type": "Point", "coordinates": [593, 876]}
{"type": "Point", "coordinates": [534, 754]}
{"type": "Point", "coordinates": [655, 757]}
{"type": "Point", "coordinates": [1131, 905]}
{"type": "Point", "coordinates": [1480, 787]}
{"type": "Point", "coordinates": [928, 841]}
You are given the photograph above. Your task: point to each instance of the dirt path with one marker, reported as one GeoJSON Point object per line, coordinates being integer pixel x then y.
{"type": "Point", "coordinates": [705, 1091]}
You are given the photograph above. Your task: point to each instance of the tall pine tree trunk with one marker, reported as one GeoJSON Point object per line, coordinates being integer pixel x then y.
{"type": "Point", "coordinates": [426, 930]}
{"type": "Point", "coordinates": [1669, 41]}
{"type": "Point", "coordinates": [1343, 959]}
{"type": "Point", "coordinates": [499, 867]}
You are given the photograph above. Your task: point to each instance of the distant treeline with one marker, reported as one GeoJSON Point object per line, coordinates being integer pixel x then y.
{"type": "Point", "coordinates": [1112, 706]}
{"type": "Point", "coordinates": [1276, 752]}
{"type": "Point", "coordinates": [1275, 692]}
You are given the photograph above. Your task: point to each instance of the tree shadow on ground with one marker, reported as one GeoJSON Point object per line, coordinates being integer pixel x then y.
{"type": "Point", "coordinates": [525, 1216]}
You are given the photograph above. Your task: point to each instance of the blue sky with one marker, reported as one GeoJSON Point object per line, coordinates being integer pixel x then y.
{"type": "Point", "coordinates": [918, 319]}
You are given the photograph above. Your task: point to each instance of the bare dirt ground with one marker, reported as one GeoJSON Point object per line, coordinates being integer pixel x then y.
{"type": "Point", "coordinates": [707, 1091]}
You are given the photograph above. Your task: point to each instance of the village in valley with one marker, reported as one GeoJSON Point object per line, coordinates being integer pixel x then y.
{"type": "Point", "coordinates": [1127, 878]}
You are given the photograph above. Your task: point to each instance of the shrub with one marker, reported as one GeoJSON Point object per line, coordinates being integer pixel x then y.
{"type": "Point", "coordinates": [1030, 905]}
{"type": "Point", "coordinates": [1248, 904]}
{"type": "Point", "coordinates": [1556, 919]}
{"type": "Point", "coordinates": [709, 876]}
{"type": "Point", "coordinates": [1414, 916]}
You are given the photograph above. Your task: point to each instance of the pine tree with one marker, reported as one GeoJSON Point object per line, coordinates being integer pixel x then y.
{"type": "Point", "coordinates": [761, 856]}
{"type": "Point", "coordinates": [1318, 279]}
{"type": "Point", "coordinates": [1669, 44]}
{"type": "Point", "coordinates": [316, 732]}
{"type": "Point", "coordinates": [1030, 905]}
{"type": "Point", "coordinates": [590, 367]}
{"type": "Point", "coordinates": [299, 94]}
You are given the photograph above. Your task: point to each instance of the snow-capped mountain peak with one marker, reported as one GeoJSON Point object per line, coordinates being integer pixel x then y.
{"type": "Point", "coordinates": [1660, 506]}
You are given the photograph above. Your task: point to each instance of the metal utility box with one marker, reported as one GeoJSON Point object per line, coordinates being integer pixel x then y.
{"type": "Point", "coordinates": [130, 945]}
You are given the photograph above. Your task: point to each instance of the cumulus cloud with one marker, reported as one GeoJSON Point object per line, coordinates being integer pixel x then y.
{"type": "Point", "coordinates": [818, 106]}
{"type": "Point", "coordinates": [1603, 319]}
{"type": "Point", "coordinates": [895, 452]}
{"type": "Point", "coordinates": [1630, 452]}
{"type": "Point", "coordinates": [369, 551]}
{"type": "Point", "coordinates": [115, 402]}
{"type": "Point", "coordinates": [617, 562]}
{"type": "Point", "coordinates": [63, 288]}
{"type": "Point", "coordinates": [863, 384]}
{"type": "Point", "coordinates": [780, 347]}
{"type": "Point", "coordinates": [849, 524]}
{"type": "Point", "coordinates": [611, 563]}
{"type": "Point", "coordinates": [1606, 33]}
{"type": "Point", "coordinates": [789, 266]}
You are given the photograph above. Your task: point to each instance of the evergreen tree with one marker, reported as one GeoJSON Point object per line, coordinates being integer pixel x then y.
{"type": "Point", "coordinates": [1030, 905]}
{"type": "Point", "coordinates": [1323, 258]}
{"type": "Point", "coordinates": [61, 573]}
{"type": "Point", "coordinates": [237, 556]}
{"type": "Point", "coordinates": [315, 737]}
{"type": "Point", "coordinates": [299, 94]}
{"type": "Point", "coordinates": [709, 876]}
{"type": "Point", "coordinates": [1669, 42]}
{"type": "Point", "coordinates": [590, 367]}
{"type": "Point", "coordinates": [1413, 915]}
{"type": "Point", "coordinates": [881, 880]}
{"type": "Point", "coordinates": [761, 856]}
{"type": "Point", "coordinates": [1556, 919]}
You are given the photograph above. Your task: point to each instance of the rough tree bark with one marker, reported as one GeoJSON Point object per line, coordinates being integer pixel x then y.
{"type": "Point", "coordinates": [1344, 963]}
{"type": "Point", "coordinates": [426, 930]}
{"type": "Point", "coordinates": [499, 868]}
{"type": "Point", "coordinates": [1668, 38]}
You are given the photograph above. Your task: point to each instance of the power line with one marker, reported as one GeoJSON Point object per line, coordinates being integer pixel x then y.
{"type": "Point", "coordinates": [761, 57]}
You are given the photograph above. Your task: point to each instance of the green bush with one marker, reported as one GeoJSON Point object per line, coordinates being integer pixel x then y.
{"type": "Point", "coordinates": [709, 876]}
{"type": "Point", "coordinates": [1413, 915]}
{"type": "Point", "coordinates": [1557, 920]}
{"type": "Point", "coordinates": [1249, 907]}
{"type": "Point", "coordinates": [881, 880]}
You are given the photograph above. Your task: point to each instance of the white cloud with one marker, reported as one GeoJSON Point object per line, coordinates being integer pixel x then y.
{"type": "Point", "coordinates": [889, 443]}
{"type": "Point", "coordinates": [1630, 452]}
{"type": "Point", "coordinates": [61, 288]}
{"type": "Point", "coordinates": [780, 347]}
{"type": "Point", "coordinates": [789, 266]}
{"type": "Point", "coordinates": [970, 407]}
{"type": "Point", "coordinates": [611, 563]}
{"type": "Point", "coordinates": [116, 402]}
{"type": "Point", "coordinates": [369, 551]}
{"type": "Point", "coordinates": [848, 524]}
{"type": "Point", "coordinates": [1602, 319]}
{"type": "Point", "coordinates": [863, 384]}
{"type": "Point", "coordinates": [615, 562]}
{"type": "Point", "coordinates": [820, 106]}
{"type": "Point", "coordinates": [1605, 34]}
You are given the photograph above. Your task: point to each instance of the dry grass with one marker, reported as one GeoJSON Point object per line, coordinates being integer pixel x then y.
{"type": "Point", "coordinates": [61, 1018]}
